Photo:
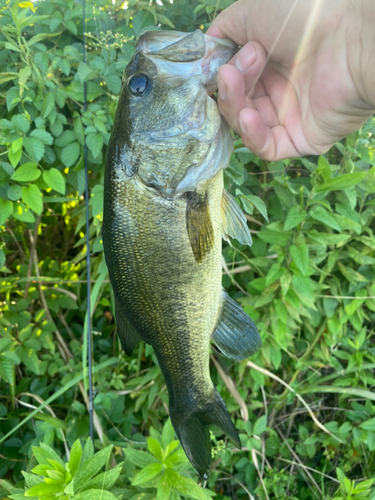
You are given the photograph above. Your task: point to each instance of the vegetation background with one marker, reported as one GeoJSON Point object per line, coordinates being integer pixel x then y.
{"type": "Point", "coordinates": [304, 405]}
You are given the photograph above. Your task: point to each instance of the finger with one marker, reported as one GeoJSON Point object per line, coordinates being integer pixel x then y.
{"type": "Point", "coordinates": [250, 60]}
{"type": "Point", "coordinates": [231, 23]}
{"type": "Point", "coordinates": [267, 111]}
{"type": "Point", "coordinates": [271, 144]}
{"type": "Point", "coordinates": [231, 94]}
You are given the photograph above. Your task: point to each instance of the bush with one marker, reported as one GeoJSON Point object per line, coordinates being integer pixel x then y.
{"type": "Point", "coordinates": [304, 404]}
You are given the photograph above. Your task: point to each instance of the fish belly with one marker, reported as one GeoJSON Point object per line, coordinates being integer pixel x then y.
{"type": "Point", "coordinates": [171, 300]}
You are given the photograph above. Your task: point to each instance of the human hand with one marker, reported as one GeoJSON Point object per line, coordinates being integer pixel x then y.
{"type": "Point", "coordinates": [318, 84]}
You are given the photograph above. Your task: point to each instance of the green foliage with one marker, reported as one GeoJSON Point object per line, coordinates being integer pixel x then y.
{"type": "Point", "coordinates": [80, 478]}
{"type": "Point", "coordinates": [307, 281]}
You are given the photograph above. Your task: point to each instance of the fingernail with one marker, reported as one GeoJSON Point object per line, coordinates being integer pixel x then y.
{"type": "Point", "coordinates": [222, 88]}
{"type": "Point", "coordinates": [243, 127]}
{"type": "Point", "coordinates": [246, 58]}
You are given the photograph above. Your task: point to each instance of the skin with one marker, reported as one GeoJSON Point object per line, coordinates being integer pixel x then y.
{"type": "Point", "coordinates": [318, 84]}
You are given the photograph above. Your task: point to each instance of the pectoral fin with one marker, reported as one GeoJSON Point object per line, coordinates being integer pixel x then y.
{"type": "Point", "coordinates": [236, 334]}
{"type": "Point", "coordinates": [233, 221]}
{"type": "Point", "coordinates": [128, 336]}
{"type": "Point", "coordinates": [199, 226]}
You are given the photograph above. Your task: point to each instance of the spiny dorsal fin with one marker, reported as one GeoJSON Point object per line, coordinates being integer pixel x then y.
{"type": "Point", "coordinates": [199, 225]}
{"type": "Point", "coordinates": [233, 221]}
{"type": "Point", "coordinates": [236, 335]}
{"type": "Point", "coordinates": [128, 336]}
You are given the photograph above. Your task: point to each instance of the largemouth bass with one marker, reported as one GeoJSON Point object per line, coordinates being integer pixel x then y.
{"type": "Point", "coordinates": [165, 212]}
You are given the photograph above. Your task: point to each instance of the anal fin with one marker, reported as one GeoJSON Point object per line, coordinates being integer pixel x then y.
{"type": "Point", "coordinates": [233, 223]}
{"type": "Point", "coordinates": [199, 225]}
{"type": "Point", "coordinates": [236, 335]}
{"type": "Point", "coordinates": [128, 336]}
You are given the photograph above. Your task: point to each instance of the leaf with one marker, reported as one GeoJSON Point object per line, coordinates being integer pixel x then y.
{"type": "Point", "coordinates": [6, 369]}
{"type": "Point", "coordinates": [70, 154]}
{"type": "Point", "coordinates": [48, 104]}
{"type": "Point", "coordinates": [154, 447]}
{"type": "Point", "coordinates": [186, 486]}
{"type": "Point", "coordinates": [33, 198]}
{"type": "Point", "coordinates": [95, 143]}
{"type": "Point", "coordinates": [43, 489]}
{"type": "Point", "coordinates": [14, 192]}
{"type": "Point", "coordinates": [368, 425]}
{"type": "Point", "coordinates": [26, 173]}
{"type": "Point", "coordinates": [168, 434]}
{"type": "Point", "coordinates": [44, 136]}
{"type": "Point", "coordinates": [99, 494]}
{"type": "Point", "coordinates": [55, 180]}
{"type": "Point", "coordinates": [341, 182]}
{"type": "Point", "coordinates": [75, 91]}
{"type": "Point", "coordinates": [258, 204]}
{"type": "Point", "coordinates": [106, 480]}
{"type": "Point", "coordinates": [75, 457]}
{"type": "Point", "coordinates": [6, 77]}
{"type": "Point", "coordinates": [6, 208]}
{"type": "Point", "coordinates": [164, 488]}
{"type": "Point", "coordinates": [260, 425]}
{"type": "Point", "coordinates": [321, 215]}
{"type": "Point", "coordinates": [149, 472]}
{"type": "Point", "coordinates": [92, 467]}
{"type": "Point", "coordinates": [295, 216]}
{"type": "Point", "coordinates": [34, 147]}
{"type": "Point", "coordinates": [21, 123]}
{"type": "Point", "coordinates": [140, 458]}
{"type": "Point", "coordinates": [22, 212]}
{"type": "Point", "coordinates": [41, 36]}
{"type": "Point", "coordinates": [300, 256]}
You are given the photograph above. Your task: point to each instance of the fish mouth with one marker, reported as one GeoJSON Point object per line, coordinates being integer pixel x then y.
{"type": "Point", "coordinates": [186, 55]}
{"type": "Point", "coordinates": [219, 51]}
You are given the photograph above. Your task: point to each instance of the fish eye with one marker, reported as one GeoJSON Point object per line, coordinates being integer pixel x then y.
{"type": "Point", "coordinates": [138, 84]}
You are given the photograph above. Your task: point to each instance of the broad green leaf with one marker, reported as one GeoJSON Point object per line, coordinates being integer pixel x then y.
{"type": "Point", "coordinates": [149, 472]}
{"type": "Point", "coordinates": [6, 77]}
{"type": "Point", "coordinates": [258, 204]}
{"type": "Point", "coordinates": [6, 208]}
{"type": "Point", "coordinates": [70, 154]}
{"type": "Point", "coordinates": [34, 147]}
{"type": "Point", "coordinates": [300, 256]}
{"type": "Point", "coordinates": [95, 143]}
{"type": "Point", "coordinates": [140, 458]}
{"type": "Point", "coordinates": [321, 215]}
{"type": "Point", "coordinates": [260, 425]}
{"type": "Point", "coordinates": [14, 192]}
{"type": "Point", "coordinates": [26, 173]}
{"type": "Point", "coordinates": [187, 486]}
{"type": "Point", "coordinates": [21, 123]}
{"type": "Point", "coordinates": [22, 212]}
{"type": "Point", "coordinates": [42, 135]}
{"type": "Point", "coordinates": [14, 158]}
{"type": "Point", "coordinates": [33, 198]}
{"type": "Point", "coordinates": [341, 182]}
{"type": "Point", "coordinates": [75, 91]}
{"type": "Point", "coordinates": [295, 216]}
{"type": "Point", "coordinates": [41, 36]}
{"type": "Point", "coordinates": [368, 425]}
{"type": "Point", "coordinates": [55, 180]}
{"type": "Point", "coordinates": [164, 488]}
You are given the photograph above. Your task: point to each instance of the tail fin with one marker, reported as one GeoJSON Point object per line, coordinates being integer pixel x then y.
{"type": "Point", "coordinates": [193, 431]}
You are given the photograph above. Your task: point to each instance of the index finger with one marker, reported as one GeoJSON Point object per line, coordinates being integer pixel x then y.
{"type": "Point", "coordinates": [231, 23]}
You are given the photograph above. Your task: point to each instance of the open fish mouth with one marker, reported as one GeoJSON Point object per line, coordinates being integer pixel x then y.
{"type": "Point", "coordinates": [187, 55]}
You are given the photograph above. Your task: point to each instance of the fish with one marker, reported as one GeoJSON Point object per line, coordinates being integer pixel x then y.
{"type": "Point", "coordinates": [165, 213]}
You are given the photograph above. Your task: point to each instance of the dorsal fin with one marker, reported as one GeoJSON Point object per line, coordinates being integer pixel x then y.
{"type": "Point", "coordinates": [233, 221]}
{"type": "Point", "coordinates": [199, 225]}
